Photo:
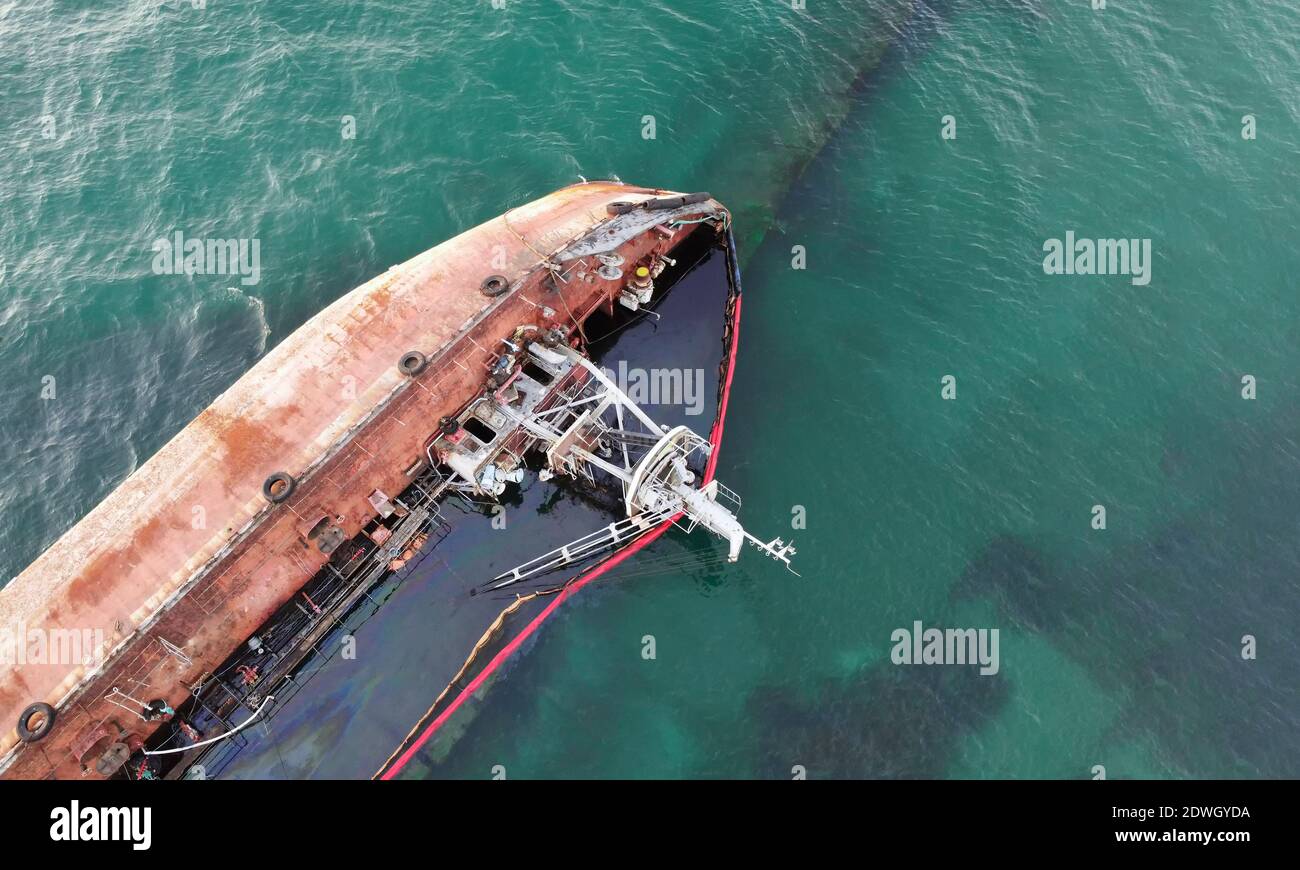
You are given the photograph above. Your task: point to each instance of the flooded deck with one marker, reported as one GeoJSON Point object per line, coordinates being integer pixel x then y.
{"type": "Point", "coordinates": [188, 554]}
{"type": "Point", "coordinates": [350, 713]}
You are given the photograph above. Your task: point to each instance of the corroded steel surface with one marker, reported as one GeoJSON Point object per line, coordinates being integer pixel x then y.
{"type": "Point", "coordinates": [188, 550]}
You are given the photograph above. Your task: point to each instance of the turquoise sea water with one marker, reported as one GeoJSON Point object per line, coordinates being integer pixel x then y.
{"type": "Point", "coordinates": [820, 128]}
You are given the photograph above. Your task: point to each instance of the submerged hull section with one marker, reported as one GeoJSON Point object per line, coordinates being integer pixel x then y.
{"type": "Point", "coordinates": [187, 558]}
{"type": "Point", "coordinates": [425, 657]}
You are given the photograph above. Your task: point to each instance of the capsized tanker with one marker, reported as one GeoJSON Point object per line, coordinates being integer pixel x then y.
{"type": "Point", "coordinates": [203, 594]}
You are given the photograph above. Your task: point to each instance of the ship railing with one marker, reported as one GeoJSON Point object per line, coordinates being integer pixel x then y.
{"type": "Point", "coordinates": [297, 659]}
{"type": "Point", "coordinates": [588, 545]}
{"type": "Point", "coordinates": [728, 494]}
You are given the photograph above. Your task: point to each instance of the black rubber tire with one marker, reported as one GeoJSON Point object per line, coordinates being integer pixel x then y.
{"type": "Point", "coordinates": [620, 207]}
{"type": "Point", "coordinates": [412, 363]}
{"type": "Point", "coordinates": [28, 734]}
{"type": "Point", "coordinates": [494, 285]}
{"type": "Point", "coordinates": [275, 494]}
{"type": "Point", "coordinates": [154, 710]}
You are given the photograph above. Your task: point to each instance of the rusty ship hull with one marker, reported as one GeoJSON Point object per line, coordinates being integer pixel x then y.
{"type": "Point", "coordinates": [228, 524]}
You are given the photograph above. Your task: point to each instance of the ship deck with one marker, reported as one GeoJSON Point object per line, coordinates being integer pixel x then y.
{"type": "Point", "coordinates": [414, 631]}
{"type": "Point", "coordinates": [187, 555]}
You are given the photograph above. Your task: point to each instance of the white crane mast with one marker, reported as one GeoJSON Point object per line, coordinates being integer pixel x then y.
{"type": "Point", "coordinates": [651, 461]}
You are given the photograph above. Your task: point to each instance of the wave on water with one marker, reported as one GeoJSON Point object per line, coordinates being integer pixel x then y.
{"type": "Point", "coordinates": [258, 309]}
